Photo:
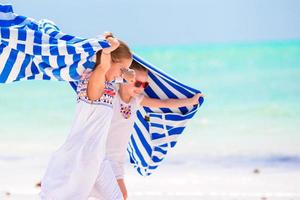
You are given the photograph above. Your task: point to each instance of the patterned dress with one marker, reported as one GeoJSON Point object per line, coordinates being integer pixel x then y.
{"type": "Point", "coordinates": [74, 167]}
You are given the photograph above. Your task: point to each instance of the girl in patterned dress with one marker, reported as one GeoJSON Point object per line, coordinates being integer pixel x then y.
{"type": "Point", "coordinates": [73, 168]}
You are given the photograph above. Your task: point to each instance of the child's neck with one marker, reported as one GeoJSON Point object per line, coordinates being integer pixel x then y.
{"type": "Point", "coordinates": [124, 95]}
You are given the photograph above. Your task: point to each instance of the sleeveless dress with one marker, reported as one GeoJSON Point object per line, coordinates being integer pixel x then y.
{"type": "Point", "coordinates": [117, 140]}
{"type": "Point", "coordinates": [74, 167]}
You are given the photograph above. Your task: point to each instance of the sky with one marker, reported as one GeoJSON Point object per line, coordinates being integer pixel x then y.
{"type": "Point", "coordinates": [168, 22]}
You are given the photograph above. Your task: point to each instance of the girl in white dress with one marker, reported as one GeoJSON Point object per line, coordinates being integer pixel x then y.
{"type": "Point", "coordinates": [127, 101]}
{"type": "Point", "coordinates": [74, 167]}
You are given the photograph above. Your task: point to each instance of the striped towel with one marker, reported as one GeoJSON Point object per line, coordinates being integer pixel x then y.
{"type": "Point", "coordinates": [38, 50]}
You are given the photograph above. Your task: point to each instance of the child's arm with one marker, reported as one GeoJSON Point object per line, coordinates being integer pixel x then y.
{"type": "Point", "coordinates": [170, 103]}
{"type": "Point", "coordinates": [97, 79]}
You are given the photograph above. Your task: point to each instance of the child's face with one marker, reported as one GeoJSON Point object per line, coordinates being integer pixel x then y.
{"type": "Point", "coordinates": [131, 88]}
{"type": "Point", "coordinates": [116, 69]}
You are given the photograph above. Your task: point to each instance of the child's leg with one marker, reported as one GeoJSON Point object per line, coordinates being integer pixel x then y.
{"type": "Point", "coordinates": [106, 186]}
{"type": "Point", "coordinates": [122, 187]}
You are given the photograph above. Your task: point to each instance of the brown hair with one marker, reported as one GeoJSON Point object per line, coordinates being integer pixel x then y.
{"type": "Point", "coordinates": [137, 66]}
{"type": "Point", "coordinates": [122, 52]}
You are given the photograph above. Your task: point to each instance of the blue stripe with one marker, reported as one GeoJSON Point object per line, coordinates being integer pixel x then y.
{"type": "Point", "coordinates": [131, 152]}
{"type": "Point", "coordinates": [22, 34]}
{"type": "Point", "coordinates": [53, 41]}
{"type": "Point", "coordinates": [163, 145]}
{"type": "Point", "coordinates": [24, 65]}
{"type": "Point", "coordinates": [16, 21]}
{"type": "Point", "coordinates": [71, 49]}
{"type": "Point", "coordinates": [8, 65]}
{"type": "Point", "coordinates": [54, 50]}
{"type": "Point", "coordinates": [104, 43]}
{"type": "Point", "coordinates": [46, 77]}
{"type": "Point", "coordinates": [130, 156]}
{"type": "Point", "coordinates": [43, 66]}
{"type": "Point", "coordinates": [173, 143]}
{"type": "Point", "coordinates": [157, 125]}
{"type": "Point", "coordinates": [142, 120]}
{"type": "Point", "coordinates": [161, 150]}
{"type": "Point", "coordinates": [46, 60]}
{"type": "Point", "coordinates": [157, 159]}
{"type": "Point", "coordinates": [89, 64]}
{"type": "Point", "coordinates": [37, 50]}
{"type": "Point", "coordinates": [37, 37]}
{"type": "Point", "coordinates": [155, 136]}
{"type": "Point", "coordinates": [176, 131]}
{"type": "Point", "coordinates": [5, 43]}
{"type": "Point", "coordinates": [73, 85]}
{"type": "Point", "coordinates": [147, 109]}
{"type": "Point", "coordinates": [67, 37]}
{"type": "Point", "coordinates": [2, 46]}
{"type": "Point", "coordinates": [143, 140]}
{"type": "Point", "coordinates": [5, 33]}
{"type": "Point", "coordinates": [87, 47]}
{"type": "Point", "coordinates": [46, 29]}
{"type": "Point", "coordinates": [34, 69]}
{"type": "Point", "coordinates": [152, 168]}
{"type": "Point", "coordinates": [73, 67]}
{"type": "Point", "coordinates": [32, 26]}
{"type": "Point", "coordinates": [49, 26]}
{"type": "Point", "coordinates": [31, 77]}
{"type": "Point", "coordinates": [6, 8]}
{"type": "Point", "coordinates": [174, 117]}
{"type": "Point", "coordinates": [60, 62]}
{"type": "Point", "coordinates": [53, 34]}
{"type": "Point", "coordinates": [138, 153]}
{"type": "Point", "coordinates": [21, 47]}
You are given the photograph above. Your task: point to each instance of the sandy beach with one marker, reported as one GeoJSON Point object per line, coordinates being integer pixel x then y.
{"type": "Point", "coordinates": [172, 182]}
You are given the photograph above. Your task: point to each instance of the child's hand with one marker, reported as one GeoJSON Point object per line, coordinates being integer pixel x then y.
{"type": "Point", "coordinates": [195, 98]}
{"type": "Point", "coordinates": [113, 42]}
{"type": "Point", "coordinates": [128, 75]}
{"type": "Point", "coordinates": [107, 34]}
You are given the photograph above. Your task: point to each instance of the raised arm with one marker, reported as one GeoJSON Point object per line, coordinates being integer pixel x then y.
{"type": "Point", "coordinates": [97, 79]}
{"type": "Point", "coordinates": [170, 103]}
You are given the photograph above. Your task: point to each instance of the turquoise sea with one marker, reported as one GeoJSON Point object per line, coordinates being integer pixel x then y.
{"type": "Point", "coordinates": [250, 114]}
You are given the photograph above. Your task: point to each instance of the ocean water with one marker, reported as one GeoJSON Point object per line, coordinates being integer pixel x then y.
{"type": "Point", "coordinates": [251, 107]}
{"type": "Point", "coordinates": [252, 104]}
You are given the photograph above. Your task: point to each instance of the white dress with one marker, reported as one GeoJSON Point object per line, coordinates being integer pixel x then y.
{"type": "Point", "coordinates": [120, 130]}
{"type": "Point", "coordinates": [74, 167]}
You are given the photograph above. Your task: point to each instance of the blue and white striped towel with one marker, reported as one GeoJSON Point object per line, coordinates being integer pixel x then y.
{"type": "Point", "coordinates": [31, 50]}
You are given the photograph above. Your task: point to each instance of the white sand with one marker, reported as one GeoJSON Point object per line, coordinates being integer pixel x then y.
{"type": "Point", "coordinates": [172, 182]}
